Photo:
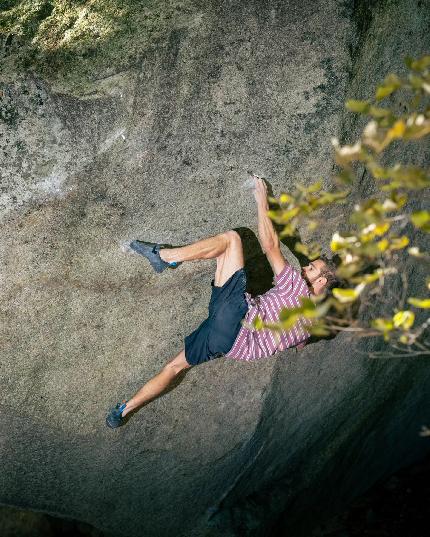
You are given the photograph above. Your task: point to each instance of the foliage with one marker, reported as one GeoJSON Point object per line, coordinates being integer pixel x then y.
{"type": "Point", "coordinates": [75, 43]}
{"type": "Point", "coordinates": [369, 250]}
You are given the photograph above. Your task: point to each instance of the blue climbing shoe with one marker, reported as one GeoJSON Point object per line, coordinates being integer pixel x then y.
{"type": "Point", "coordinates": [150, 250]}
{"type": "Point", "coordinates": [114, 419]}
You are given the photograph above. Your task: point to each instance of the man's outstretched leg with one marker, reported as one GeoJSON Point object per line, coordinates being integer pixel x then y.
{"type": "Point", "coordinates": [227, 244]}
{"type": "Point", "coordinates": [204, 249]}
{"type": "Point", "coordinates": [149, 391]}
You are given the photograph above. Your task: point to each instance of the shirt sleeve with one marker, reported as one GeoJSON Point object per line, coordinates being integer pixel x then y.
{"type": "Point", "coordinates": [289, 281]}
{"type": "Point", "coordinates": [283, 275]}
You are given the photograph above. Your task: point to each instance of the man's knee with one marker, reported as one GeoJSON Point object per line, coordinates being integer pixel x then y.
{"type": "Point", "coordinates": [233, 237]}
{"type": "Point", "coordinates": [178, 364]}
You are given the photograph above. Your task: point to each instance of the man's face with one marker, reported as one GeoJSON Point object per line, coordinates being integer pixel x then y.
{"type": "Point", "coordinates": [312, 272]}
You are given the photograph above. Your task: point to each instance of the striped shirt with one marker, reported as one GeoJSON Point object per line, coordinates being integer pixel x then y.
{"type": "Point", "coordinates": [252, 344]}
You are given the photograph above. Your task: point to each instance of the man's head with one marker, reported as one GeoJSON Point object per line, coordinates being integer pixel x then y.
{"type": "Point", "coordinates": [320, 275]}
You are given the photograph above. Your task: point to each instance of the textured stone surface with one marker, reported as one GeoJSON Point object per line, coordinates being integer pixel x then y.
{"type": "Point", "coordinates": [158, 149]}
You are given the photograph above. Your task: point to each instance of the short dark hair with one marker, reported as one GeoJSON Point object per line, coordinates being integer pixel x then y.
{"type": "Point", "coordinates": [329, 272]}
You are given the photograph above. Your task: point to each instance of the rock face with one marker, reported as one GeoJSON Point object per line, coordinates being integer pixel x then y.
{"type": "Point", "coordinates": [155, 144]}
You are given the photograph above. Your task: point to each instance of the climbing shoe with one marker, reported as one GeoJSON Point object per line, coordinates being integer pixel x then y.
{"type": "Point", "coordinates": [150, 250]}
{"type": "Point", "coordinates": [114, 419]}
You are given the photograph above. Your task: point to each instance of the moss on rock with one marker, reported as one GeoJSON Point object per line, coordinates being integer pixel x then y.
{"type": "Point", "coordinates": [74, 43]}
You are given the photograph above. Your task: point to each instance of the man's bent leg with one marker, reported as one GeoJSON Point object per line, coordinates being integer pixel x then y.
{"type": "Point", "coordinates": [230, 260]}
{"type": "Point", "coordinates": [157, 384]}
{"type": "Point", "coordinates": [204, 249]}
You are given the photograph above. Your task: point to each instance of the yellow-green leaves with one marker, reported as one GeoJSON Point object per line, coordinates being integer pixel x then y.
{"type": "Point", "coordinates": [319, 329]}
{"type": "Point", "coordinates": [417, 65]}
{"type": "Point", "coordinates": [397, 243]}
{"type": "Point", "coordinates": [419, 302]}
{"type": "Point", "coordinates": [311, 309]}
{"type": "Point", "coordinates": [391, 83]}
{"type": "Point", "coordinates": [416, 252]}
{"type": "Point", "coordinates": [421, 220]}
{"type": "Point", "coordinates": [371, 243]}
{"type": "Point", "coordinates": [378, 274]}
{"type": "Point", "coordinates": [311, 252]}
{"type": "Point", "coordinates": [285, 198]}
{"type": "Point", "coordinates": [383, 325]}
{"type": "Point", "coordinates": [315, 187]}
{"type": "Point", "coordinates": [374, 230]}
{"type": "Point", "coordinates": [418, 125]}
{"type": "Point", "coordinates": [348, 295]}
{"type": "Point", "coordinates": [282, 217]}
{"type": "Point", "coordinates": [362, 107]}
{"type": "Point", "coordinates": [403, 319]}
{"type": "Point", "coordinates": [258, 323]}
{"type": "Point", "coordinates": [347, 153]}
{"type": "Point", "coordinates": [410, 177]}
{"type": "Point", "coordinates": [339, 243]}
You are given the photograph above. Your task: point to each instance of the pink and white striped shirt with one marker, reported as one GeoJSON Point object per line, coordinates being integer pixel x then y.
{"type": "Point", "coordinates": [252, 344]}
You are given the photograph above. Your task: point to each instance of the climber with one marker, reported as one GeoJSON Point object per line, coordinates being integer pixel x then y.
{"type": "Point", "coordinates": [222, 333]}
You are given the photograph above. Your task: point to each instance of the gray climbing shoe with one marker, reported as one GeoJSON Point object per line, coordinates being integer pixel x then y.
{"type": "Point", "coordinates": [150, 250]}
{"type": "Point", "coordinates": [114, 419]}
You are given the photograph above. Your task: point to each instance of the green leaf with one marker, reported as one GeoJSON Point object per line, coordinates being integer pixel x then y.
{"type": "Point", "coordinates": [397, 130]}
{"type": "Point", "coordinates": [391, 83]}
{"type": "Point", "coordinates": [286, 215]}
{"type": "Point", "coordinates": [378, 171]}
{"type": "Point", "coordinates": [399, 242]}
{"type": "Point", "coordinates": [285, 198]}
{"type": "Point", "coordinates": [319, 330]}
{"type": "Point", "coordinates": [418, 65]}
{"type": "Point", "coordinates": [383, 325]}
{"type": "Point", "coordinates": [349, 269]}
{"type": "Point", "coordinates": [345, 176]}
{"type": "Point", "coordinates": [375, 230]}
{"type": "Point", "coordinates": [307, 303]}
{"type": "Point", "coordinates": [286, 313]}
{"type": "Point", "coordinates": [312, 225]}
{"type": "Point", "coordinates": [340, 243]}
{"type": "Point", "coordinates": [419, 302]}
{"type": "Point", "coordinates": [301, 248]}
{"type": "Point", "coordinates": [416, 81]}
{"type": "Point", "coordinates": [404, 319]}
{"type": "Point", "coordinates": [258, 323]}
{"type": "Point", "coordinates": [329, 197]}
{"type": "Point", "coordinates": [415, 251]}
{"type": "Point", "coordinates": [288, 231]}
{"type": "Point", "coordinates": [421, 219]}
{"type": "Point", "coordinates": [383, 245]}
{"type": "Point", "coordinates": [313, 251]}
{"type": "Point", "coordinates": [314, 187]}
{"type": "Point", "coordinates": [408, 60]}
{"type": "Point", "coordinates": [404, 339]}
{"type": "Point", "coordinates": [361, 107]}
{"type": "Point", "coordinates": [345, 295]}
{"type": "Point", "coordinates": [290, 322]}
{"type": "Point", "coordinates": [367, 278]}
{"type": "Point", "coordinates": [378, 112]}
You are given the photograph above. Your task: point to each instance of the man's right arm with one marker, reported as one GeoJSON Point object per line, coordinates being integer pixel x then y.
{"type": "Point", "coordinates": [266, 232]}
{"type": "Point", "coordinates": [269, 239]}
{"type": "Point", "coordinates": [276, 259]}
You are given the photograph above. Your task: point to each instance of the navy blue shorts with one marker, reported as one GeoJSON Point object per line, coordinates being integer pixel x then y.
{"type": "Point", "coordinates": [216, 335]}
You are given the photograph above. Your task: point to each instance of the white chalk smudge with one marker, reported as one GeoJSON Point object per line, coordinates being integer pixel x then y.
{"type": "Point", "coordinates": [111, 139]}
